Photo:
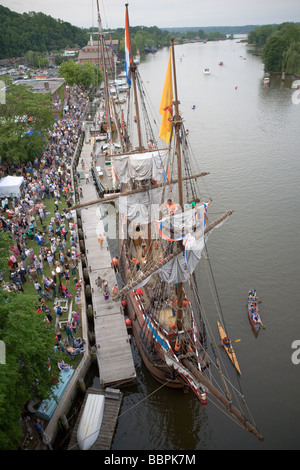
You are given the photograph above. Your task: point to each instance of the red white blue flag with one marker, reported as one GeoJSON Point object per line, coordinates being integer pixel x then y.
{"type": "Point", "coordinates": [127, 49]}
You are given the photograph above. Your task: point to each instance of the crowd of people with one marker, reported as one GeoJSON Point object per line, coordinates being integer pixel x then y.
{"type": "Point", "coordinates": [44, 248]}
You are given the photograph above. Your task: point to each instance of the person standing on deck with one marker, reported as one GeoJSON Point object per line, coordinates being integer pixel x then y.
{"type": "Point", "coordinates": [115, 263]}
{"type": "Point", "coordinates": [100, 241]}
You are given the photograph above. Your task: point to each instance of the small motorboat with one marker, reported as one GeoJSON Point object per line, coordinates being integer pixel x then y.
{"type": "Point", "coordinates": [206, 71]}
{"type": "Point", "coordinates": [90, 421]}
{"type": "Point", "coordinates": [221, 62]}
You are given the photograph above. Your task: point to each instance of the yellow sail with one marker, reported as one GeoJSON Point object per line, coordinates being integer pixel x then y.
{"type": "Point", "coordinates": [165, 108]}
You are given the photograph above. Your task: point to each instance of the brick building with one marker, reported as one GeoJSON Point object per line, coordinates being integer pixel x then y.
{"type": "Point", "coordinates": [92, 53]}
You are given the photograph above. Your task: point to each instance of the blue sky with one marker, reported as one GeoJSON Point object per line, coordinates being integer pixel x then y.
{"type": "Point", "coordinates": [164, 13]}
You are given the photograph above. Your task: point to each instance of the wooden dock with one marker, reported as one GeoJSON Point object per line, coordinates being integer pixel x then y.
{"type": "Point", "coordinates": [113, 400]}
{"type": "Point", "coordinates": [114, 354]}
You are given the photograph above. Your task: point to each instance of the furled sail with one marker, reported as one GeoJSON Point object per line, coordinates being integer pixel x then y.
{"type": "Point", "coordinates": [142, 207]}
{"type": "Point", "coordinates": [172, 270]}
{"type": "Point", "coordinates": [177, 226]}
{"type": "Point", "coordinates": [141, 166]}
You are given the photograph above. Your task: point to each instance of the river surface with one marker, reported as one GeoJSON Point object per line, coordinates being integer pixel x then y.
{"type": "Point", "coordinates": [247, 135]}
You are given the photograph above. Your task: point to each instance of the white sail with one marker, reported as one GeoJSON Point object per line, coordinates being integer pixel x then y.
{"type": "Point", "coordinates": [141, 166]}
{"type": "Point", "coordinates": [143, 207]}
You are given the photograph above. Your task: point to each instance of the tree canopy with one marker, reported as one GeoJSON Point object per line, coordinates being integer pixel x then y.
{"type": "Point", "coordinates": [281, 46]}
{"type": "Point", "coordinates": [25, 373]}
{"type": "Point", "coordinates": [37, 32]}
{"type": "Point", "coordinates": [82, 75]}
{"type": "Point", "coordinates": [26, 118]}
{"type": "Point", "coordinates": [28, 343]}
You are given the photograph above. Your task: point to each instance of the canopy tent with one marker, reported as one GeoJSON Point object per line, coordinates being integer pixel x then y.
{"type": "Point", "coordinates": [11, 185]}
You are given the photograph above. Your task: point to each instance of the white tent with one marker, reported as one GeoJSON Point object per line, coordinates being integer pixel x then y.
{"type": "Point", "coordinates": [11, 185]}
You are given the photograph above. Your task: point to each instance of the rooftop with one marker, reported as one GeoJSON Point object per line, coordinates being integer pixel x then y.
{"type": "Point", "coordinates": [43, 86]}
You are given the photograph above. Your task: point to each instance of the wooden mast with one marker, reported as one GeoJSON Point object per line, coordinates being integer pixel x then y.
{"type": "Point", "coordinates": [140, 147]}
{"type": "Point", "coordinates": [177, 121]}
{"type": "Point", "coordinates": [106, 89]}
{"type": "Point", "coordinates": [132, 70]}
{"type": "Point", "coordinates": [111, 197]}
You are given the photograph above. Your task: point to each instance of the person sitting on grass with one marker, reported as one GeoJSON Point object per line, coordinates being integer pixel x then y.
{"type": "Point", "coordinates": [63, 366]}
{"type": "Point", "coordinates": [72, 352]}
{"type": "Point", "coordinates": [78, 343]}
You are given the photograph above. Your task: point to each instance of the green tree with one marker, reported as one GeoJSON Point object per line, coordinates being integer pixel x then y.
{"type": "Point", "coordinates": [82, 75]}
{"type": "Point", "coordinates": [291, 58]}
{"type": "Point", "coordinates": [36, 31]}
{"type": "Point", "coordinates": [139, 42]}
{"type": "Point", "coordinates": [4, 251]}
{"type": "Point", "coordinates": [273, 53]}
{"type": "Point", "coordinates": [25, 374]}
{"type": "Point", "coordinates": [26, 118]}
{"type": "Point", "coordinates": [29, 350]}
{"type": "Point", "coordinates": [260, 35]}
{"type": "Point", "coordinates": [280, 46]}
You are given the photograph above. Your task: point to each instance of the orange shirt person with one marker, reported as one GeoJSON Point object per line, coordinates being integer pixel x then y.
{"type": "Point", "coordinates": [171, 206]}
{"type": "Point", "coordinates": [137, 263]}
{"type": "Point", "coordinates": [115, 263]}
{"type": "Point", "coordinates": [100, 240]}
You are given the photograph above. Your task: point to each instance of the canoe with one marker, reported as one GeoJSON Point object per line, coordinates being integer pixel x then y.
{"type": "Point", "coordinates": [90, 421]}
{"type": "Point", "coordinates": [229, 350]}
{"type": "Point", "coordinates": [253, 313]}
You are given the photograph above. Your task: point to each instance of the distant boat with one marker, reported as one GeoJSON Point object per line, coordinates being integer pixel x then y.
{"type": "Point", "coordinates": [266, 80]}
{"type": "Point", "coordinates": [253, 312]}
{"type": "Point", "coordinates": [206, 71]}
{"type": "Point", "coordinates": [90, 421]}
{"type": "Point", "coordinates": [221, 62]}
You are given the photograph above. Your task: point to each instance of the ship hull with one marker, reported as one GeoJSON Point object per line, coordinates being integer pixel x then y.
{"type": "Point", "coordinates": [151, 354]}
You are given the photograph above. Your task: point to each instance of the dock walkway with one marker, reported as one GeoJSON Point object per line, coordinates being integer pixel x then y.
{"type": "Point", "coordinates": [114, 354]}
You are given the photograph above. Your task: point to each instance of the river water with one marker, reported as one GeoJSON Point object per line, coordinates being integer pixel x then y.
{"type": "Point", "coordinates": [247, 135]}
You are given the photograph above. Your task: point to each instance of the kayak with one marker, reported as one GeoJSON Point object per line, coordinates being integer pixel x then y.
{"type": "Point", "coordinates": [228, 348]}
{"type": "Point", "coordinates": [253, 313]}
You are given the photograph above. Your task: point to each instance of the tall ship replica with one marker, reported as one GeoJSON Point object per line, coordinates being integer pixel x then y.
{"type": "Point", "coordinates": [163, 229]}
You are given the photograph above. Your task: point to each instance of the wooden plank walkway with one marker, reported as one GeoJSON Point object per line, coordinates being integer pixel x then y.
{"type": "Point", "coordinates": [114, 355]}
{"type": "Point", "coordinates": [112, 405]}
